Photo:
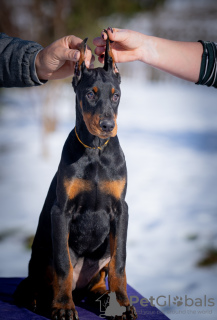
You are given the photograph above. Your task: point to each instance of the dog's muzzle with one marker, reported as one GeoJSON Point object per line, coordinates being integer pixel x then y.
{"type": "Point", "coordinates": [107, 125]}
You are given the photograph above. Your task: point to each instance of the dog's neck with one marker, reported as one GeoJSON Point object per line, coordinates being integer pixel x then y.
{"type": "Point", "coordinates": [86, 138]}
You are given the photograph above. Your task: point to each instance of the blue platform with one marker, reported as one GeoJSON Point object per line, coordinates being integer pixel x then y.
{"type": "Point", "coordinates": [9, 311]}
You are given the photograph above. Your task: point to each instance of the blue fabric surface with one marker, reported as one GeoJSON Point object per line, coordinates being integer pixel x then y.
{"type": "Point", "coordinates": [9, 311]}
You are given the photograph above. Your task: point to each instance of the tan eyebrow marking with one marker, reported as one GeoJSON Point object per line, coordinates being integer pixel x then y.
{"type": "Point", "coordinates": [81, 105]}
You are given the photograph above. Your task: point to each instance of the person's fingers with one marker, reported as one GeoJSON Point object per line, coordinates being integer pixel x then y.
{"type": "Point", "coordinates": [68, 54]}
{"type": "Point", "coordinates": [115, 34]}
{"type": "Point", "coordinates": [72, 42]}
{"type": "Point", "coordinates": [99, 50]}
{"type": "Point", "coordinates": [111, 33]}
{"type": "Point", "coordinates": [74, 55]}
{"type": "Point", "coordinates": [92, 59]}
{"type": "Point", "coordinates": [101, 58]}
{"type": "Point", "coordinates": [89, 58]}
{"type": "Point", "coordinates": [90, 63]}
{"type": "Point", "coordinates": [98, 41]}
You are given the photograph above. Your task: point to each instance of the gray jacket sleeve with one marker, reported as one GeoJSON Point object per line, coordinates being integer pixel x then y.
{"type": "Point", "coordinates": [17, 62]}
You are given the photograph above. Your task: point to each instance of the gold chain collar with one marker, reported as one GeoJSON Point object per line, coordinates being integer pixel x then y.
{"type": "Point", "coordinates": [100, 148]}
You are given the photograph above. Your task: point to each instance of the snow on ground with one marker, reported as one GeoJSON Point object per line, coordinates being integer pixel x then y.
{"type": "Point", "coordinates": [169, 136]}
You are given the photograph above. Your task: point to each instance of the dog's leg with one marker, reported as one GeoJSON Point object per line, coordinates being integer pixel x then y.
{"type": "Point", "coordinates": [117, 275]}
{"type": "Point", "coordinates": [25, 294]}
{"type": "Point", "coordinates": [97, 287]}
{"type": "Point", "coordinates": [63, 306]}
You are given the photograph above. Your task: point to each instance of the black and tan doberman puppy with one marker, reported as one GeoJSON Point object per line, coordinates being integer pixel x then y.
{"type": "Point", "coordinates": [82, 230]}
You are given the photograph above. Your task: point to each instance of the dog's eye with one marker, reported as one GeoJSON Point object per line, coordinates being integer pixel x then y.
{"type": "Point", "coordinates": [90, 95]}
{"type": "Point", "coordinates": [115, 97]}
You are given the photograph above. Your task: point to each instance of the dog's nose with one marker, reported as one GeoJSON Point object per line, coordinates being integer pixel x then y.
{"type": "Point", "coordinates": [107, 125]}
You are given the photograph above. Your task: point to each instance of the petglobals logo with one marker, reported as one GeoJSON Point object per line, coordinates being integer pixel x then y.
{"type": "Point", "coordinates": [109, 307]}
{"type": "Point", "coordinates": [168, 301]}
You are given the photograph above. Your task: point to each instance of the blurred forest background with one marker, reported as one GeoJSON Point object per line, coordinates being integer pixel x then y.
{"type": "Point", "coordinates": [44, 21]}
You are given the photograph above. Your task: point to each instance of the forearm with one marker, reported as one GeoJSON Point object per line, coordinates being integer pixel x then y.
{"type": "Point", "coordinates": [181, 59]}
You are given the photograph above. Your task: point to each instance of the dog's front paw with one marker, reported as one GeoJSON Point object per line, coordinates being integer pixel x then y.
{"type": "Point", "coordinates": [64, 312]}
{"type": "Point", "coordinates": [130, 314]}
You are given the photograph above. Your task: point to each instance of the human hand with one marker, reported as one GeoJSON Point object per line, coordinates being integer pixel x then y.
{"type": "Point", "coordinates": [57, 61]}
{"type": "Point", "coordinates": [127, 45]}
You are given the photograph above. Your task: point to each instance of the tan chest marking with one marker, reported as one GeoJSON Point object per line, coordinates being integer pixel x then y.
{"type": "Point", "coordinates": [76, 186]}
{"type": "Point", "coordinates": [114, 188]}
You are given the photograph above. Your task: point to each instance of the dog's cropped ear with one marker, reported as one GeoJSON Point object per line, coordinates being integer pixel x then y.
{"type": "Point", "coordinates": [80, 66]}
{"type": "Point", "coordinates": [109, 64]}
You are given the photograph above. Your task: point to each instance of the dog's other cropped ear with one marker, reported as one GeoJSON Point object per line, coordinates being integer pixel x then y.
{"type": "Point", "coordinates": [80, 66]}
{"type": "Point", "coordinates": [109, 64]}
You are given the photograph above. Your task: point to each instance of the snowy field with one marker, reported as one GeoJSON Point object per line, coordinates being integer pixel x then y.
{"type": "Point", "coordinates": [169, 136]}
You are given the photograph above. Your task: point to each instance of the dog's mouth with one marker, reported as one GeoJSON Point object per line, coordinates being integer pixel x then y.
{"type": "Point", "coordinates": [102, 128]}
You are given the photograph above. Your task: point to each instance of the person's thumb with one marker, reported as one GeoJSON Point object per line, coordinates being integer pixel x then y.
{"type": "Point", "coordinates": [72, 55]}
{"type": "Point", "coordinates": [115, 34]}
{"type": "Point", "coordinates": [68, 54]}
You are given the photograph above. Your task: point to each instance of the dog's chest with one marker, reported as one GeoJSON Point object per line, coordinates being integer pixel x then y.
{"type": "Point", "coordinates": [88, 231]}
{"type": "Point", "coordinates": [96, 180]}
{"type": "Point", "coordinates": [93, 195]}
